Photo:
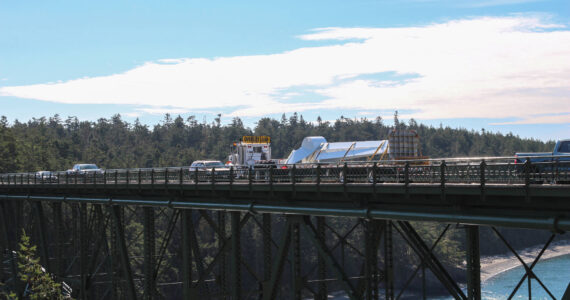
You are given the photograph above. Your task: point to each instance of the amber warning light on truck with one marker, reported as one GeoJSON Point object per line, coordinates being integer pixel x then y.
{"type": "Point", "coordinates": [256, 140]}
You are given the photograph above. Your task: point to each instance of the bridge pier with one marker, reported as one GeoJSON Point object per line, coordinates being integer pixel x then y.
{"type": "Point", "coordinates": [388, 261]}
{"type": "Point", "coordinates": [236, 255]}
{"type": "Point", "coordinates": [187, 289]}
{"type": "Point", "coordinates": [322, 271]}
{"type": "Point", "coordinates": [149, 254]}
{"type": "Point", "coordinates": [473, 263]}
{"type": "Point", "coordinates": [267, 247]}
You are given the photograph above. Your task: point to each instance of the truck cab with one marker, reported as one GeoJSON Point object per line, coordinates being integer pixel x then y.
{"type": "Point", "coordinates": [248, 151]}
{"type": "Point", "coordinates": [561, 152]}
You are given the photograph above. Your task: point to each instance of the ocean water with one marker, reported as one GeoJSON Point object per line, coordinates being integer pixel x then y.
{"type": "Point", "coordinates": [554, 273]}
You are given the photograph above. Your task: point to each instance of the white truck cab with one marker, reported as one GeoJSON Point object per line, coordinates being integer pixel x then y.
{"type": "Point", "coordinates": [249, 150]}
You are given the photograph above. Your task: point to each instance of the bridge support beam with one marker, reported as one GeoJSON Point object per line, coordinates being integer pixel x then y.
{"type": "Point", "coordinates": [236, 255]}
{"type": "Point", "coordinates": [125, 264]}
{"type": "Point", "coordinates": [222, 267]}
{"type": "Point", "coordinates": [270, 291]}
{"type": "Point", "coordinates": [41, 230]}
{"type": "Point", "coordinates": [295, 258]}
{"type": "Point", "coordinates": [388, 260]}
{"type": "Point", "coordinates": [311, 233]}
{"type": "Point", "coordinates": [473, 263]}
{"type": "Point", "coordinates": [83, 246]}
{"type": "Point", "coordinates": [418, 245]}
{"type": "Point", "coordinates": [371, 239]}
{"type": "Point", "coordinates": [10, 243]}
{"type": "Point", "coordinates": [58, 239]}
{"type": "Point", "coordinates": [322, 294]}
{"type": "Point", "coordinates": [187, 291]}
{"type": "Point", "coordinates": [266, 236]}
{"type": "Point", "coordinates": [149, 254]}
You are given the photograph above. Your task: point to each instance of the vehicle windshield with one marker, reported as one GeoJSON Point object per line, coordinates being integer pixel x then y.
{"type": "Point", "coordinates": [214, 164]}
{"type": "Point", "coordinates": [88, 167]}
{"type": "Point", "coordinates": [564, 147]}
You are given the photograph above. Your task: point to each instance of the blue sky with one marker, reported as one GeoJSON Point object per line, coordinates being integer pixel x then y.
{"type": "Point", "coordinates": [502, 65]}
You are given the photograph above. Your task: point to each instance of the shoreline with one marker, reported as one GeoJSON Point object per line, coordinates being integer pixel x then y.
{"type": "Point", "coordinates": [492, 266]}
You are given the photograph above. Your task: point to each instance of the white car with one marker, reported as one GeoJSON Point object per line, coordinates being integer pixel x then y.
{"type": "Point", "coordinates": [203, 170]}
{"type": "Point", "coordinates": [46, 176]}
{"type": "Point", "coordinates": [83, 169]}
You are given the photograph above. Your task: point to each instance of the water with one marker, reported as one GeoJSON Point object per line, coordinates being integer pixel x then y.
{"type": "Point", "coordinates": [554, 273]}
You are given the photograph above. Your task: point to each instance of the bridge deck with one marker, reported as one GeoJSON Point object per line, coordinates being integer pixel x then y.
{"type": "Point", "coordinates": [498, 193]}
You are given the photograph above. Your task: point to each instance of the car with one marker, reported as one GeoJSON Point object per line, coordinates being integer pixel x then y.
{"type": "Point", "coordinates": [202, 170]}
{"type": "Point", "coordinates": [84, 169]}
{"type": "Point", "coordinates": [45, 176]}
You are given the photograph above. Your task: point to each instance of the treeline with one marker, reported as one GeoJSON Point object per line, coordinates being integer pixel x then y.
{"type": "Point", "coordinates": [56, 144]}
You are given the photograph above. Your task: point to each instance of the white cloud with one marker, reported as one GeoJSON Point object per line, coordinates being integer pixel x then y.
{"type": "Point", "coordinates": [163, 110]}
{"type": "Point", "coordinates": [549, 119]}
{"type": "Point", "coordinates": [504, 67]}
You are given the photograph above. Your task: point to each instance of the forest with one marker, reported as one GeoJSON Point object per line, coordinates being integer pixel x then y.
{"type": "Point", "coordinates": [54, 143]}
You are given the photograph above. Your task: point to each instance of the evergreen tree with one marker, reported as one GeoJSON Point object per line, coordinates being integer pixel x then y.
{"type": "Point", "coordinates": [40, 284]}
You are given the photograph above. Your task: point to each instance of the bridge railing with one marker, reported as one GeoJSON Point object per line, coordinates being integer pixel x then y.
{"type": "Point", "coordinates": [489, 170]}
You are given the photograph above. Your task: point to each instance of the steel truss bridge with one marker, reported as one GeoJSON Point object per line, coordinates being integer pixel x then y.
{"type": "Point", "coordinates": [268, 233]}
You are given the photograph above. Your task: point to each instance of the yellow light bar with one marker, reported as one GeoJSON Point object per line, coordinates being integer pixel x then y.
{"type": "Point", "coordinates": [256, 140]}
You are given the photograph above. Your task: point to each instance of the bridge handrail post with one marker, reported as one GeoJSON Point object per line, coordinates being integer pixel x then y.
{"type": "Point", "coordinates": [442, 168]}
{"type": "Point", "coordinates": [165, 178]}
{"type": "Point", "coordinates": [231, 175]}
{"type": "Point", "coordinates": [181, 176]}
{"type": "Point", "coordinates": [294, 174]}
{"type": "Point", "coordinates": [482, 168]}
{"type": "Point", "coordinates": [28, 179]}
{"type": "Point", "coordinates": [196, 170]}
{"type": "Point", "coordinates": [127, 178]}
{"type": "Point", "coordinates": [319, 176]}
{"type": "Point", "coordinates": [152, 177]}
{"type": "Point", "coordinates": [407, 174]}
{"type": "Point", "coordinates": [374, 173]}
{"type": "Point", "coordinates": [271, 180]}
{"type": "Point", "coordinates": [104, 178]}
{"type": "Point", "coordinates": [250, 178]}
{"type": "Point", "coordinates": [213, 176]}
{"type": "Point", "coordinates": [116, 177]}
{"type": "Point", "coordinates": [555, 172]}
{"type": "Point", "coordinates": [483, 180]}
{"type": "Point", "coordinates": [527, 167]}
{"type": "Point", "coordinates": [345, 174]}
{"type": "Point", "coordinates": [139, 177]}
{"type": "Point", "coordinates": [76, 177]}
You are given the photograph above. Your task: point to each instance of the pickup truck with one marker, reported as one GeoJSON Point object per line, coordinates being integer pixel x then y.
{"type": "Point", "coordinates": [560, 153]}
{"type": "Point", "coordinates": [544, 165]}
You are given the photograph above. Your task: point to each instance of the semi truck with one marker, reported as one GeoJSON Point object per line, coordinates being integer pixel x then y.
{"type": "Point", "coordinates": [249, 151]}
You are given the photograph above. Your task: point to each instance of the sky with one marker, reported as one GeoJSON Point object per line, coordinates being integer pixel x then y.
{"type": "Point", "coordinates": [498, 65]}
